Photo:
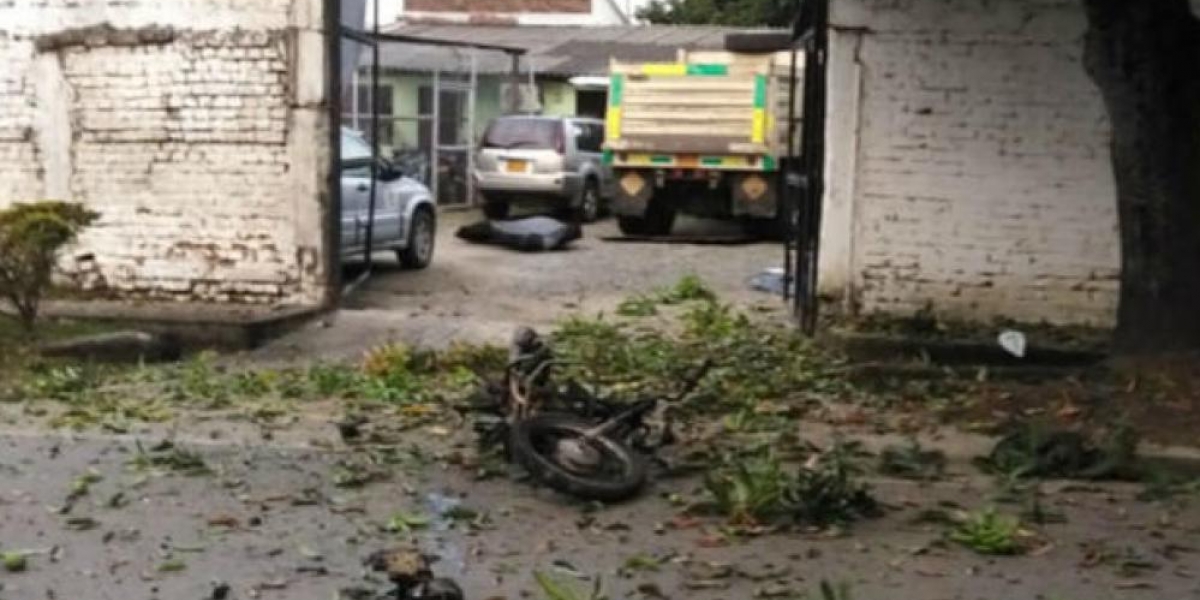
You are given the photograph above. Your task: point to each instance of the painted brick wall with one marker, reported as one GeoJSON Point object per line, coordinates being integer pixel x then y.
{"type": "Point", "coordinates": [19, 175]}
{"type": "Point", "coordinates": [183, 125]}
{"type": "Point", "coordinates": [501, 6]}
{"type": "Point", "coordinates": [983, 184]}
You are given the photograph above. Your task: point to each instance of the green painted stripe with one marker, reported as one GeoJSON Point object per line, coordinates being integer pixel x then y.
{"type": "Point", "coordinates": [712, 161]}
{"type": "Point", "coordinates": [662, 160]}
{"type": "Point", "coordinates": [760, 91]}
{"type": "Point", "coordinates": [769, 163]}
{"type": "Point", "coordinates": [708, 70]}
{"type": "Point", "coordinates": [616, 90]}
{"type": "Point", "coordinates": [609, 157]}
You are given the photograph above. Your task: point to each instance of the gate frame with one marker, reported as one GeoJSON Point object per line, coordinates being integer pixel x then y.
{"type": "Point", "coordinates": [804, 179]}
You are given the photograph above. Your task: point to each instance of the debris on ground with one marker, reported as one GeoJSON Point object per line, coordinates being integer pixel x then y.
{"type": "Point", "coordinates": [14, 561]}
{"type": "Point", "coordinates": [912, 461]}
{"type": "Point", "coordinates": [532, 234]}
{"type": "Point", "coordinates": [771, 281]}
{"type": "Point", "coordinates": [411, 572]}
{"type": "Point", "coordinates": [1033, 449]}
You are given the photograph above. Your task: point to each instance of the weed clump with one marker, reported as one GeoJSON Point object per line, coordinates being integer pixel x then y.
{"type": "Point", "coordinates": [991, 533]}
{"type": "Point", "coordinates": [826, 490]}
{"type": "Point", "coordinates": [1034, 450]}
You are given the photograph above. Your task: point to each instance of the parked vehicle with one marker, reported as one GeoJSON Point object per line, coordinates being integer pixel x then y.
{"type": "Point", "coordinates": [413, 162]}
{"type": "Point", "coordinates": [569, 439]}
{"type": "Point", "coordinates": [547, 160]}
{"type": "Point", "coordinates": [405, 213]}
{"type": "Point", "coordinates": [704, 136]}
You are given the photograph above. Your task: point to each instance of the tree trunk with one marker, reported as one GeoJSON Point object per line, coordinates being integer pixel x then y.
{"type": "Point", "coordinates": [1145, 57]}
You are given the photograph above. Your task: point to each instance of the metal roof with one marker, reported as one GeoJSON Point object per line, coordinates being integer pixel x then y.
{"type": "Point", "coordinates": [555, 51]}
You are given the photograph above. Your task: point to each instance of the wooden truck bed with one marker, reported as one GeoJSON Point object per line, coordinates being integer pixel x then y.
{"type": "Point", "coordinates": [715, 110]}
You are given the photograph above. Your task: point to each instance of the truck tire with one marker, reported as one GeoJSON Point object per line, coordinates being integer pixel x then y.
{"type": "Point", "coordinates": [758, 43]}
{"type": "Point", "coordinates": [632, 225]}
{"type": "Point", "coordinates": [660, 219]}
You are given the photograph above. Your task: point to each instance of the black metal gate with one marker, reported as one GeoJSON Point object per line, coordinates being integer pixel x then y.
{"type": "Point", "coordinates": [804, 176]}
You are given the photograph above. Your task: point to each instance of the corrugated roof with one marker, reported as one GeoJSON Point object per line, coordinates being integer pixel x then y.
{"type": "Point", "coordinates": [559, 51]}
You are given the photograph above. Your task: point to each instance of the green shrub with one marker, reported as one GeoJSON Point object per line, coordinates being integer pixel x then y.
{"type": "Point", "coordinates": [30, 237]}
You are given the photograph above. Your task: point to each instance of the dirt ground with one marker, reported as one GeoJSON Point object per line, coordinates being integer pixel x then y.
{"type": "Point", "coordinates": [269, 520]}
{"type": "Point", "coordinates": [480, 293]}
{"type": "Point", "coordinates": [270, 523]}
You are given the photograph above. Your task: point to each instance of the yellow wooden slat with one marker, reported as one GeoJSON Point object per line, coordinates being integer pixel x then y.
{"type": "Point", "coordinates": [612, 125]}
{"type": "Point", "coordinates": [759, 127]}
{"type": "Point", "coordinates": [664, 69]}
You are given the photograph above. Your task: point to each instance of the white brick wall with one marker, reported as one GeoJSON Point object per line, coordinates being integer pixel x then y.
{"type": "Point", "coordinates": [185, 144]}
{"type": "Point", "coordinates": [982, 181]}
{"type": "Point", "coordinates": [19, 174]}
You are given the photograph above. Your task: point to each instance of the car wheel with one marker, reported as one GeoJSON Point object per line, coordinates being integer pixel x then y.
{"type": "Point", "coordinates": [589, 203]}
{"type": "Point", "coordinates": [495, 209]}
{"type": "Point", "coordinates": [422, 233]}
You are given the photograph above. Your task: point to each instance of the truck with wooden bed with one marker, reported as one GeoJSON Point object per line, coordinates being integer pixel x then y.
{"type": "Point", "coordinates": [705, 135]}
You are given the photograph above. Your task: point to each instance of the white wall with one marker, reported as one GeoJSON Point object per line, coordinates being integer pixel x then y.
{"type": "Point", "coordinates": [604, 12]}
{"type": "Point", "coordinates": [196, 128]}
{"type": "Point", "coordinates": [969, 163]}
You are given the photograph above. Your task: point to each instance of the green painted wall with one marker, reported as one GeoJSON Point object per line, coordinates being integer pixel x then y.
{"type": "Point", "coordinates": [404, 105]}
{"type": "Point", "coordinates": [487, 104]}
{"type": "Point", "coordinates": [558, 99]}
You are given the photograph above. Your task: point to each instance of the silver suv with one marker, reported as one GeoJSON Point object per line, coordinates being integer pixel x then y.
{"type": "Point", "coordinates": [405, 215]}
{"type": "Point", "coordinates": [547, 160]}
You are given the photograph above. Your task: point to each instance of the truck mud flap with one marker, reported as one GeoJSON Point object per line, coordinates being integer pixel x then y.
{"type": "Point", "coordinates": [634, 189]}
{"type": "Point", "coordinates": [755, 195]}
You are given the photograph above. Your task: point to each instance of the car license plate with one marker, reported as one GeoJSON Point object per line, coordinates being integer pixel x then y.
{"type": "Point", "coordinates": [516, 166]}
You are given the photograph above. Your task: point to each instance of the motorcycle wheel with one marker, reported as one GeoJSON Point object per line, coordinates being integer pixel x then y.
{"type": "Point", "coordinates": [555, 451]}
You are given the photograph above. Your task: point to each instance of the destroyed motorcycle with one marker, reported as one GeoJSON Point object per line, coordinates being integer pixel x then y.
{"type": "Point", "coordinates": [569, 438]}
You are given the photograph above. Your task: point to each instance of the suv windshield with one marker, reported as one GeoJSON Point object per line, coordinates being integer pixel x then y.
{"type": "Point", "coordinates": [354, 147]}
{"type": "Point", "coordinates": [538, 134]}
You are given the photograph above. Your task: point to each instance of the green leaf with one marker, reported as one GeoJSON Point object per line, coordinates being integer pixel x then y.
{"type": "Point", "coordinates": [14, 562]}
{"type": "Point", "coordinates": [404, 522]}
{"type": "Point", "coordinates": [174, 565]}
{"type": "Point", "coordinates": [555, 589]}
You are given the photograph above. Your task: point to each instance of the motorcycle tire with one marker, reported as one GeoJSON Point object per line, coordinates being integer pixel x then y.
{"type": "Point", "coordinates": [540, 462]}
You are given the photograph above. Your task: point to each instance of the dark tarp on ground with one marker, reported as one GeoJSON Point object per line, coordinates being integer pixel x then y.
{"type": "Point", "coordinates": [533, 234]}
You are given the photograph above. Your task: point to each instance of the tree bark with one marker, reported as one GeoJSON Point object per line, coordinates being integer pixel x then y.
{"type": "Point", "coordinates": [1145, 57]}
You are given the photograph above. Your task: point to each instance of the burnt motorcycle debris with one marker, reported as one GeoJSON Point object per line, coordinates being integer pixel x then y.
{"type": "Point", "coordinates": [411, 571]}
{"type": "Point", "coordinates": [567, 437]}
